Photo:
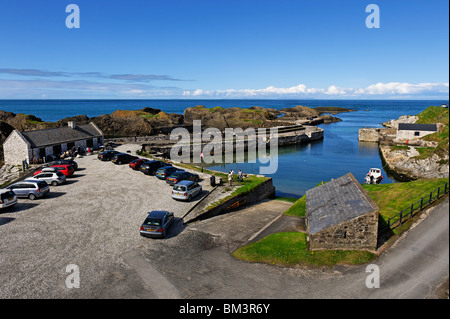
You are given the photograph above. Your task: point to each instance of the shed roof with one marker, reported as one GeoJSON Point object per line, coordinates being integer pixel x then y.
{"type": "Point", "coordinates": [417, 127]}
{"type": "Point", "coordinates": [335, 202]}
{"type": "Point", "coordinates": [60, 135]}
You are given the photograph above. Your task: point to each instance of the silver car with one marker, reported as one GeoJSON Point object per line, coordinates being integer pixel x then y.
{"type": "Point", "coordinates": [7, 198]}
{"type": "Point", "coordinates": [29, 189]}
{"type": "Point", "coordinates": [186, 190]}
{"type": "Point", "coordinates": [51, 178]}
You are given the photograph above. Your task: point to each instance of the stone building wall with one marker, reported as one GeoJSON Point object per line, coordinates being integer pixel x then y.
{"type": "Point", "coordinates": [410, 135]}
{"type": "Point", "coordinates": [16, 149]}
{"type": "Point", "coordinates": [359, 233]}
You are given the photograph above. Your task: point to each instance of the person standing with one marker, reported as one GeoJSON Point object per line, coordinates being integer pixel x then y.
{"type": "Point", "coordinates": [230, 179]}
{"type": "Point", "coordinates": [240, 176]}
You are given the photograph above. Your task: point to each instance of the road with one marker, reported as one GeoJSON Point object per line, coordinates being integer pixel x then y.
{"type": "Point", "coordinates": [199, 264]}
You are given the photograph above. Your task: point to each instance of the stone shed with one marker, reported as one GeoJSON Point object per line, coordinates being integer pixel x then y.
{"type": "Point", "coordinates": [40, 144]}
{"type": "Point", "coordinates": [411, 131]}
{"type": "Point", "coordinates": [341, 215]}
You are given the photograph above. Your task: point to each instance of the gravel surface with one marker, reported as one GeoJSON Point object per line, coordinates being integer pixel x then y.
{"type": "Point", "coordinates": [90, 221]}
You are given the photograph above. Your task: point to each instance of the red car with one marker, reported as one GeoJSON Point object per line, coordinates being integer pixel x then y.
{"type": "Point", "coordinates": [67, 170]}
{"type": "Point", "coordinates": [135, 164]}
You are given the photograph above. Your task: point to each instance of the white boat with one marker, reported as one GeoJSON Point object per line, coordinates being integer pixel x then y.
{"type": "Point", "coordinates": [374, 176]}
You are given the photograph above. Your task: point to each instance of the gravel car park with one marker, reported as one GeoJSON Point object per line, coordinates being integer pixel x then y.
{"type": "Point", "coordinates": [90, 221]}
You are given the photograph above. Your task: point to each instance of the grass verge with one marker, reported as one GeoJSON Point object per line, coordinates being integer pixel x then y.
{"type": "Point", "coordinates": [290, 248]}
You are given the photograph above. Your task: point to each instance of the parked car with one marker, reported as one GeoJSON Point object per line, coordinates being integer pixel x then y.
{"type": "Point", "coordinates": [66, 162]}
{"type": "Point", "coordinates": [156, 224]}
{"type": "Point", "coordinates": [67, 170]}
{"type": "Point", "coordinates": [136, 164]}
{"type": "Point", "coordinates": [150, 167]}
{"type": "Point", "coordinates": [179, 176]}
{"type": "Point", "coordinates": [123, 158]}
{"type": "Point", "coordinates": [7, 198]}
{"type": "Point", "coordinates": [186, 190]}
{"type": "Point", "coordinates": [29, 189]}
{"type": "Point", "coordinates": [51, 178]}
{"type": "Point", "coordinates": [107, 155]}
{"type": "Point", "coordinates": [166, 171]}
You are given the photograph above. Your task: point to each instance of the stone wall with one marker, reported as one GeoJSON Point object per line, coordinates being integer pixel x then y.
{"type": "Point", "coordinates": [16, 149]}
{"type": "Point", "coordinates": [261, 192]}
{"type": "Point", "coordinates": [359, 233]}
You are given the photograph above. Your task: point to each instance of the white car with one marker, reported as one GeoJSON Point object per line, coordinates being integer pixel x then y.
{"type": "Point", "coordinates": [7, 198]}
{"type": "Point", "coordinates": [51, 178]}
{"type": "Point", "coordinates": [186, 190]}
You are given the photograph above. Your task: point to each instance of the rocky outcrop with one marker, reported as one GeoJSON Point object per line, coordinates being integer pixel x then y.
{"type": "Point", "coordinates": [234, 117]}
{"type": "Point", "coordinates": [402, 119]}
{"type": "Point", "coordinates": [300, 112]}
{"type": "Point", "coordinates": [407, 163]}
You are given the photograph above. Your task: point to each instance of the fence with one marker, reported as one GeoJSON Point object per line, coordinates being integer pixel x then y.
{"type": "Point", "coordinates": [414, 209]}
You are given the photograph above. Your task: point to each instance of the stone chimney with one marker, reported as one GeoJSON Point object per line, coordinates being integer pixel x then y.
{"type": "Point", "coordinates": [71, 125]}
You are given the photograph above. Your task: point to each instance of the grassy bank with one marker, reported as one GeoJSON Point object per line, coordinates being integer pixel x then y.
{"type": "Point", "coordinates": [290, 249]}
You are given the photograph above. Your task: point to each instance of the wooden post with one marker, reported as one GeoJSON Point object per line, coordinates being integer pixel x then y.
{"type": "Point", "coordinates": [421, 204]}
{"type": "Point", "coordinates": [431, 196]}
{"type": "Point", "coordinates": [401, 217]}
{"type": "Point", "coordinates": [439, 190]}
{"type": "Point", "coordinates": [412, 210]}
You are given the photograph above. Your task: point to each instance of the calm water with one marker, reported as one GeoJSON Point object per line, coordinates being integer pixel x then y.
{"type": "Point", "coordinates": [300, 167]}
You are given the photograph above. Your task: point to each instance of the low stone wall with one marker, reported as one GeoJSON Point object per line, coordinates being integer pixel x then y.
{"type": "Point", "coordinates": [261, 192]}
{"type": "Point", "coordinates": [357, 234]}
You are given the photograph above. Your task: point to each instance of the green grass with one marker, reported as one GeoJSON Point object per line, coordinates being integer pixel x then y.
{"type": "Point", "coordinates": [286, 199]}
{"type": "Point", "coordinates": [290, 249]}
{"type": "Point", "coordinates": [432, 115]}
{"type": "Point", "coordinates": [392, 198]}
{"type": "Point", "coordinates": [298, 209]}
{"type": "Point", "coordinates": [399, 147]}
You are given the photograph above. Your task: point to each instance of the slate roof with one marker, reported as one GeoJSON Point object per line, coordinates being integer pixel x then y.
{"type": "Point", "coordinates": [417, 127]}
{"type": "Point", "coordinates": [60, 135]}
{"type": "Point", "coordinates": [335, 202]}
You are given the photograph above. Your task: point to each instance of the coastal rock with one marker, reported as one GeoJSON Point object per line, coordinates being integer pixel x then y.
{"type": "Point", "coordinates": [300, 112]}
{"type": "Point", "coordinates": [407, 162]}
{"type": "Point", "coordinates": [234, 117]}
{"type": "Point", "coordinates": [402, 119]}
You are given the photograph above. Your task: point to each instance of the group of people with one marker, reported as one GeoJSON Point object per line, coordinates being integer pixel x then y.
{"type": "Point", "coordinates": [231, 174]}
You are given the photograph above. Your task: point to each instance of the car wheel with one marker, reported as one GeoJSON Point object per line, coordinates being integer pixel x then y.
{"type": "Point", "coordinates": [32, 196]}
{"type": "Point", "coordinates": [54, 183]}
{"type": "Point", "coordinates": [189, 198]}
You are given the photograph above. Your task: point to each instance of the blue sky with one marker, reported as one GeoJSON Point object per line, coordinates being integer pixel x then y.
{"type": "Point", "coordinates": [224, 49]}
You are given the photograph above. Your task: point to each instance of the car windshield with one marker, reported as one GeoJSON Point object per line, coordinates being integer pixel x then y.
{"type": "Point", "coordinates": [153, 222]}
{"type": "Point", "coordinates": [179, 188]}
{"type": "Point", "coordinates": [59, 174]}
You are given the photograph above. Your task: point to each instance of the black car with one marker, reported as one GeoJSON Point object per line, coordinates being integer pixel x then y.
{"type": "Point", "coordinates": [181, 176]}
{"type": "Point", "coordinates": [156, 224]}
{"type": "Point", "coordinates": [107, 155]}
{"type": "Point", "coordinates": [66, 162]}
{"type": "Point", "coordinates": [150, 167]}
{"type": "Point", "coordinates": [123, 158]}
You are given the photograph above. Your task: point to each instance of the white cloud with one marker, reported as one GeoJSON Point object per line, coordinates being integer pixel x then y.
{"type": "Point", "coordinates": [381, 90]}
